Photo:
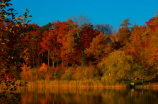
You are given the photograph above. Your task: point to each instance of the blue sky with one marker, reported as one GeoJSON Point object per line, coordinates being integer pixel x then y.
{"type": "Point", "coordinates": [111, 12]}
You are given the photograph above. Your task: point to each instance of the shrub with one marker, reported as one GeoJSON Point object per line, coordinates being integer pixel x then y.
{"type": "Point", "coordinates": [43, 68]}
{"type": "Point", "coordinates": [26, 74]}
{"type": "Point", "coordinates": [68, 74]}
{"type": "Point", "coordinates": [90, 72]}
{"type": "Point", "coordinates": [108, 80]}
{"type": "Point", "coordinates": [87, 72]}
{"type": "Point", "coordinates": [78, 74]}
{"type": "Point", "coordinates": [48, 76]}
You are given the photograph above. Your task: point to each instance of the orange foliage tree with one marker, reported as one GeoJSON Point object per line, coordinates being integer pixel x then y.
{"type": "Point", "coordinates": [152, 49]}
{"type": "Point", "coordinates": [136, 46]}
{"type": "Point", "coordinates": [67, 36]}
{"type": "Point", "coordinates": [99, 48]}
{"type": "Point", "coordinates": [86, 37]}
{"type": "Point", "coordinates": [50, 44]}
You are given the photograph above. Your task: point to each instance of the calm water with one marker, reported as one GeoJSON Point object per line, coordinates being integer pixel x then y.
{"type": "Point", "coordinates": [85, 96]}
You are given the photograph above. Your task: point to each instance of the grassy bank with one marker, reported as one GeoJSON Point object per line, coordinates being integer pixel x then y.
{"type": "Point", "coordinates": [64, 84]}
{"type": "Point", "coordinates": [147, 86]}
{"type": "Point", "coordinates": [73, 84]}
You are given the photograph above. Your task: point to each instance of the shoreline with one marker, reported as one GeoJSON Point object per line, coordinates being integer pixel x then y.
{"type": "Point", "coordinates": [64, 84]}
{"type": "Point", "coordinates": [146, 87]}
{"type": "Point", "coordinates": [76, 84]}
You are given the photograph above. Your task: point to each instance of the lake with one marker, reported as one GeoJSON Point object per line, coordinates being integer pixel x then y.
{"type": "Point", "coordinates": [84, 96]}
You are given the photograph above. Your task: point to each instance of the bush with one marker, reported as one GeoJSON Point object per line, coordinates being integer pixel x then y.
{"type": "Point", "coordinates": [86, 72]}
{"type": "Point", "coordinates": [26, 74]}
{"type": "Point", "coordinates": [48, 76]}
{"type": "Point", "coordinates": [34, 72]}
{"type": "Point", "coordinates": [68, 74]}
{"type": "Point", "coordinates": [43, 68]}
{"type": "Point", "coordinates": [155, 76]}
{"type": "Point", "coordinates": [78, 74]}
{"type": "Point", "coordinates": [108, 80]}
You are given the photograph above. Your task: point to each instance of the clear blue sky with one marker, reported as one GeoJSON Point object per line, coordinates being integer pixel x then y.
{"type": "Point", "coordinates": [112, 12]}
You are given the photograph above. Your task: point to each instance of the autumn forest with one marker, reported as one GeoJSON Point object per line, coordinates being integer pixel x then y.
{"type": "Point", "coordinates": [76, 49]}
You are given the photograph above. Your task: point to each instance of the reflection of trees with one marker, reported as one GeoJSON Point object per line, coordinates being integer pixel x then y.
{"type": "Point", "coordinates": [9, 98]}
{"type": "Point", "coordinates": [87, 96]}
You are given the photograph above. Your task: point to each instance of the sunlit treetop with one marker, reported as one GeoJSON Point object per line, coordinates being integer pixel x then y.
{"type": "Point", "coordinates": [125, 23]}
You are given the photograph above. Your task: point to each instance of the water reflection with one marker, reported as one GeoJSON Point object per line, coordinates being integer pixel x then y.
{"type": "Point", "coordinates": [88, 96]}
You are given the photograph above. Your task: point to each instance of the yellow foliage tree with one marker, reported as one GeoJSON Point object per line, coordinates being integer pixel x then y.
{"type": "Point", "coordinates": [116, 66]}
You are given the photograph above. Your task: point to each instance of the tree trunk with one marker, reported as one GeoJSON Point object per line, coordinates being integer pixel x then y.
{"type": "Point", "coordinates": [57, 62]}
{"type": "Point", "coordinates": [33, 60]}
{"type": "Point", "coordinates": [38, 57]}
{"type": "Point", "coordinates": [83, 59]}
{"type": "Point", "coordinates": [62, 63]}
{"type": "Point", "coordinates": [48, 57]}
{"type": "Point", "coordinates": [67, 64]}
{"type": "Point", "coordinates": [33, 56]}
{"type": "Point", "coordinates": [53, 61]}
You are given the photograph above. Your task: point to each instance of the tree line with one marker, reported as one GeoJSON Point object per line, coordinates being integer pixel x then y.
{"type": "Point", "coordinates": [130, 51]}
